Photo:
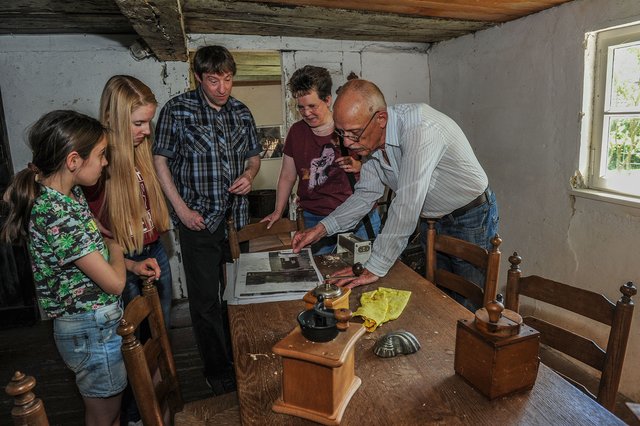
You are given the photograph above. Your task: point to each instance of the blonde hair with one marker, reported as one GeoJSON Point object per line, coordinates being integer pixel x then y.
{"type": "Point", "coordinates": [121, 96]}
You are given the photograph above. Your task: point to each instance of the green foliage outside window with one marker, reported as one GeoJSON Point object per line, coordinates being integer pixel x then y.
{"type": "Point", "coordinates": [624, 144]}
{"type": "Point", "coordinates": [624, 133]}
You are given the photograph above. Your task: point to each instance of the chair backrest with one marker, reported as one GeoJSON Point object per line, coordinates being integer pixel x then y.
{"type": "Point", "coordinates": [150, 366]}
{"type": "Point", "coordinates": [585, 303]}
{"type": "Point", "coordinates": [486, 261]}
{"type": "Point", "coordinates": [257, 230]}
{"type": "Point", "coordinates": [27, 408]}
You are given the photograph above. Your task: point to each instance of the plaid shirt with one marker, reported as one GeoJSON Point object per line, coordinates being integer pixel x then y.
{"type": "Point", "coordinates": [206, 151]}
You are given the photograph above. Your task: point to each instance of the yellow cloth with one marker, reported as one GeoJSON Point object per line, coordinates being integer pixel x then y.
{"type": "Point", "coordinates": [381, 305]}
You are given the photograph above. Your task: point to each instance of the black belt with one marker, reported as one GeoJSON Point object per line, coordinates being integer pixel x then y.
{"type": "Point", "coordinates": [478, 201]}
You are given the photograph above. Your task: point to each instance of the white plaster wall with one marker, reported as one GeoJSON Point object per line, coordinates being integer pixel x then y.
{"type": "Point", "coordinates": [42, 73]}
{"type": "Point", "coordinates": [516, 90]}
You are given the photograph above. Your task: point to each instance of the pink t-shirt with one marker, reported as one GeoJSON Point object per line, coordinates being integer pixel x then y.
{"type": "Point", "coordinates": [322, 184]}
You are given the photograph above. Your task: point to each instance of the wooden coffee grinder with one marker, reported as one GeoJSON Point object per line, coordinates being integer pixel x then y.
{"type": "Point", "coordinates": [496, 353]}
{"type": "Point", "coordinates": [318, 368]}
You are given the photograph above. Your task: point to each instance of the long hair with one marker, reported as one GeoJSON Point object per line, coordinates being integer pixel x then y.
{"type": "Point", "coordinates": [121, 96]}
{"type": "Point", "coordinates": [52, 138]}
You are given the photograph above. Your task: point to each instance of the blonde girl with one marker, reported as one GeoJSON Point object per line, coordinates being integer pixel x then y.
{"type": "Point", "coordinates": [128, 200]}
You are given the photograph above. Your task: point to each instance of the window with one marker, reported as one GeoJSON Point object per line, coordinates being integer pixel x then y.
{"type": "Point", "coordinates": [612, 69]}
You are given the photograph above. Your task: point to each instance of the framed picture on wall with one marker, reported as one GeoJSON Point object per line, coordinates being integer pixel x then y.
{"type": "Point", "coordinates": [270, 137]}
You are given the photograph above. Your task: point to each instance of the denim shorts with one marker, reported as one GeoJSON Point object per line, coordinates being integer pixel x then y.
{"type": "Point", "coordinates": [90, 347]}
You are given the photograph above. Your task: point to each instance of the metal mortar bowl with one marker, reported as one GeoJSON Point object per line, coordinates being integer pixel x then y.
{"type": "Point", "coordinates": [317, 328]}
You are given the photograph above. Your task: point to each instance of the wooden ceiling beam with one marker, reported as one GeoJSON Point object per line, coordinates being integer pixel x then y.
{"type": "Point", "coordinates": [259, 18]}
{"type": "Point", "coordinates": [163, 24]}
{"type": "Point", "coordinates": [474, 10]}
{"type": "Point", "coordinates": [62, 17]}
{"type": "Point", "coordinates": [55, 23]}
{"type": "Point", "coordinates": [160, 24]}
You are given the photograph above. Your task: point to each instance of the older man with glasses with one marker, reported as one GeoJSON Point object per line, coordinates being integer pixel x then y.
{"type": "Point", "coordinates": [425, 158]}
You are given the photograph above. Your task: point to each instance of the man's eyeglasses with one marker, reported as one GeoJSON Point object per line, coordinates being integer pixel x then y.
{"type": "Point", "coordinates": [355, 135]}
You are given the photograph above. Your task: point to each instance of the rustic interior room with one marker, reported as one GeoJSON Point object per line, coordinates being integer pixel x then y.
{"type": "Point", "coordinates": [525, 80]}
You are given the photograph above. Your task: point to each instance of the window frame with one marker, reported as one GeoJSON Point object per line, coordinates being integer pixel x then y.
{"type": "Point", "coordinates": [597, 112]}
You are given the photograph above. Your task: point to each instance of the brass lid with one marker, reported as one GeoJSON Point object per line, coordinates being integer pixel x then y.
{"type": "Point", "coordinates": [329, 291]}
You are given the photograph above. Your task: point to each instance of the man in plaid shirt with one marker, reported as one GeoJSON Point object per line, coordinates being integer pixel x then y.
{"type": "Point", "coordinates": [206, 156]}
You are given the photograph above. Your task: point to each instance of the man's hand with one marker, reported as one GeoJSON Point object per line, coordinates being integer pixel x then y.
{"type": "Point", "coordinates": [147, 269]}
{"type": "Point", "coordinates": [272, 218]}
{"type": "Point", "coordinates": [301, 239]}
{"type": "Point", "coordinates": [365, 278]}
{"type": "Point", "coordinates": [191, 219]}
{"type": "Point", "coordinates": [242, 185]}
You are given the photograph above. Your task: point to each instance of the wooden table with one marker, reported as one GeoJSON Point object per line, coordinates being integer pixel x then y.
{"type": "Point", "coordinates": [421, 388]}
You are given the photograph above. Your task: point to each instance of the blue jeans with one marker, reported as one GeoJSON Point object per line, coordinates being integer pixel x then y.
{"type": "Point", "coordinates": [90, 347]}
{"type": "Point", "coordinates": [133, 287]}
{"type": "Point", "coordinates": [328, 244]}
{"type": "Point", "coordinates": [477, 225]}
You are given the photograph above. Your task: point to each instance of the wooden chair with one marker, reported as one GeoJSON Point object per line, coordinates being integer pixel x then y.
{"type": "Point", "coordinates": [151, 368]}
{"type": "Point", "coordinates": [585, 303]}
{"type": "Point", "coordinates": [258, 230]}
{"type": "Point", "coordinates": [486, 261]}
{"type": "Point", "coordinates": [27, 408]}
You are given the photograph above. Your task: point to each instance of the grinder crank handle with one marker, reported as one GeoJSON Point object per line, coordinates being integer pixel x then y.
{"type": "Point", "coordinates": [321, 310]}
{"type": "Point", "coordinates": [357, 269]}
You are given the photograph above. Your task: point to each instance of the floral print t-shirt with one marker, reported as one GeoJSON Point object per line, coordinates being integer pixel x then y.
{"type": "Point", "coordinates": [62, 230]}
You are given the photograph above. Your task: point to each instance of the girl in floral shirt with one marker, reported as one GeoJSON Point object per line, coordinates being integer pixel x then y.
{"type": "Point", "coordinates": [78, 275]}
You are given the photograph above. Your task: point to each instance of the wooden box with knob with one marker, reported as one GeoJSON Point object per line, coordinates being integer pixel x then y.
{"type": "Point", "coordinates": [318, 365]}
{"type": "Point", "coordinates": [496, 353]}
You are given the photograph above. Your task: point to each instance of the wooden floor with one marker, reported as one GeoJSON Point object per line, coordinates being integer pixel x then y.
{"type": "Point", "coordinates": [32, 351]}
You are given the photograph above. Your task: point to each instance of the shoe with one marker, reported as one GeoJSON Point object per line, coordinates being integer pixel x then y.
{"type": "Point", "coordinates": [225, 384]}
{"type": "Point", "coordinates": [215, 385]}
{"type": "Point", "coordinates": [229, 383]}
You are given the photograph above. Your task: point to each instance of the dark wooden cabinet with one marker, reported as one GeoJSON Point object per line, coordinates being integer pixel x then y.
{"type": "Point", "coordinates": [17, 294]}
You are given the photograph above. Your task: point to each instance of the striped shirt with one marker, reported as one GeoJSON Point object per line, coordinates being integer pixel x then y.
{"type": "Point", "coordinates": [432, 170]}
{"type": "Point", "coordinates": [206, 151]}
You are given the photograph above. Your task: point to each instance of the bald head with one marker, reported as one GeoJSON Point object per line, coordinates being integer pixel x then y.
{"type": "Point", "coordinates": [359, 97]}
